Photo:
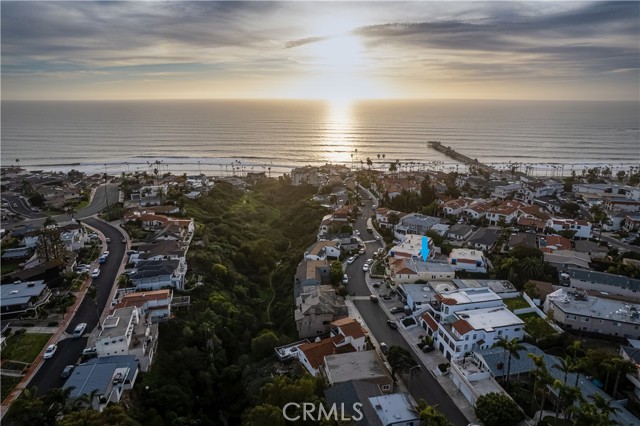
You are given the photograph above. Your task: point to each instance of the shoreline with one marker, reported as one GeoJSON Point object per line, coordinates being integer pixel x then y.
{"type": "Point", "coordinates": [226, 167]}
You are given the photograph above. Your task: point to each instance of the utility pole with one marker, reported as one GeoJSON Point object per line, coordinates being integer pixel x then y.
{"type": "Point", "coordinates": [106, 193]}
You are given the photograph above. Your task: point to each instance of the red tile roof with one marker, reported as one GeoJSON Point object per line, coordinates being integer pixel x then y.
{"type": "Point", "coordinates": [462, 327]}
{"type": "Point", "coordinates": [433, 325]}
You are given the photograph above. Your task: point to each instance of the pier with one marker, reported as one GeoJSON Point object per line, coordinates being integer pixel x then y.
{"type": "Point", "coordinates": [471, 162]}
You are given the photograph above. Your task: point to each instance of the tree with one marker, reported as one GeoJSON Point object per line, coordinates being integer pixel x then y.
{"type": "Point", "coordinates": [262, 345]}
{"type": "Point", "coordinates": [512, 346]}
{"type": "Point", "coordinates": [496, 409]}
{"type": "Point", "coordinates": [541, 383]}
{"type": "Point", "coordinates": [532, 267]}
{"type": "Point", "coordinates": [429, 416]}
{"type": "Point", "coordinates": [531, 290]}
{"type": "Point", "coordinates": [400, 360]}
{"type": "Point", "coordinates": [49, 245]}
{"type": "Point", "coordinates": [622, 367]}
{"type": "Point", "coordinates": [369, 162]}
{"type": "Point", "coordinates": [336, 272]}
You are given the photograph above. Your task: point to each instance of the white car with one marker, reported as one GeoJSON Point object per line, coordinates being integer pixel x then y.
{"type": "Point", "coordinates": [105, 254]}
{"type": "Point", "coordinates": [350, 260]}
{"type": "Point", "coordinates": [95, 273]}
{"type": "Point", "coordinates": [369, 262]}
{"type": "Point", "coordinates": [345, 279]}
{"type": "Point", "coordinates": [365, 268]}
{"type": "Point", "coordinates": [80, 328]}
{"type": "Point", "coordinates": [51, 349]}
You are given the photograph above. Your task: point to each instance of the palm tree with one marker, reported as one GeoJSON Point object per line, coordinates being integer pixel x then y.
{"type": "Point", "coordinates": [621, 367]}
{"type": "Point", "coordinates": [532, 267]}
{"type": "Point", "coordinates": [565, 367]}
{"type": "Point", "coordinates": [509, 264]}
{"type": "Point", "coordinates": [542, 380]}
{"type": "Point", "coordinates": [512, 346]}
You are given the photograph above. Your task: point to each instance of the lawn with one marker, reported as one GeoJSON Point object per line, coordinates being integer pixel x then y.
{"type": "Point", "coordinates": [8, 383]}
{"type": "Point", "coordinates": [25, 347]}
{"type": "Point", "coordinates": [515, 303]}
{"type": "Point", "coordinates": [528, 315]}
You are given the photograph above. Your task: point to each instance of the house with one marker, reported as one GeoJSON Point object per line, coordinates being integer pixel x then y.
{"type": "Point", "coordinates": [411, 247]}
{"type": "Point", "coordinates": [576, 310]}
{"type": "Point", "coordinates": [594, 250]}
{"type": "Point", "coordinates": [468, 260]}
{"type": "Point", "coordinates": [103, 380]}
{"type": "Point", "coordinates": [468, 330]}
{"type": "Point", "coordinates": [417, 296]}
{"type": "Point", "coordinates": [460, 232]}
{"type": "Point", "coordinates": [159, 274]}
{"type": "Point", "coordinates": [384, 215]}
{"type": "Point", "coordinates": [632, 354]}
{"type": "Point", "coordinates": [323, 250]}
{"type": "Point", "coordinates": [394, 410]}
{"type": "Point", "coordinates": [522, 239]}
{"type": "Point", "coordinates": [617, 285]}
{"type": "Point", "coordinates": [161, 250]}
{"type": "Point", "coordinates": [507, 212]}
{"type": "Point", "coordinates": [18, 298]}
{"type": "Point", "coordinates": [551, 243]}
{"type": "Point", "coordinates": [346, 335]}
{"type": "Point", "coordinates": [476, 211]}
{"type": "Point", "coordinates": [354, 397]}
{"type": "Point", "coordinates": [455, 207]}
{"type": "Point", "coordinates": [317, 307]}
{"type": "Point", "coordinates": [156, 304]}
{"type": "Point", "coordinates": [127, 332]}
{"type": "Point", "coordinates": [506, 191]}
{"type": "Point", "coordinates": [631, 223]}
{"type": "Point", "coordinates": [564, 259]}
{"type": "Point", "coordinates": [484, 238]}
{"type": "Point", "coordinates": [621, 204]}
{"type": "Point", "coordinates": [414, 223]}
{"type": "Point", "coordinates": [364, 366]}
{"type": "Point", "coordinates": [308, 175]}
{"type": "Point", "coordinates": [410, 270]}
{"type": "Point", "coordinates": [582, 228]}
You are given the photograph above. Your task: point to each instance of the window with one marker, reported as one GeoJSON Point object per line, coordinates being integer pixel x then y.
{"type": "Point", "coordinates": [585, 319]}
{"type": "Point", "coordinates": [386, 387]}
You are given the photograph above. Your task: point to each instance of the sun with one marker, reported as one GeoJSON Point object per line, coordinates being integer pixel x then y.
{"type": "Point", "coordinates": [335, 69]}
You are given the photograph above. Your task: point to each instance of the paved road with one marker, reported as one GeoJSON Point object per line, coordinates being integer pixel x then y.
{"type": "Point", "coordinates": [619, 244]}
{"type": "Point", "coordinates": [69, 349]}
{"type": "Point", "coordinates": [98, 203]}
{"type": "Point", "coordinates": [422, 386]}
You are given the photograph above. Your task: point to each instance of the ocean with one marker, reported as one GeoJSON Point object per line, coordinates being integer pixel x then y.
{"type": "Point", "coordinates": [220, 137]}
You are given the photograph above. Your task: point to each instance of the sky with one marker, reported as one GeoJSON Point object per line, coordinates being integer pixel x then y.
{"type": "Point", "coordinates": [320, 50]}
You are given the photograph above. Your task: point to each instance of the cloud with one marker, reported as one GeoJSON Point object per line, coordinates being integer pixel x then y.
{"type": "Point", "coordinates": [303, 41]}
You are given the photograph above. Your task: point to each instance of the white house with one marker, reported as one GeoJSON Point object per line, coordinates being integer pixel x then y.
{"type": "Point", "coordinates": [582, 228]}
{"type": "Point", "coordinates": [468, 260]}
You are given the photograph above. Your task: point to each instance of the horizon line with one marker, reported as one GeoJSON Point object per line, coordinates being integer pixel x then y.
{"type": "Point", "coordinates": [316, 99]}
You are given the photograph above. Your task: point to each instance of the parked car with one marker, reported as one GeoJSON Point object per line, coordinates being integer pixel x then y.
{"type": "Point", "coordinates": [345, 279]}
{"type": "Point", "coordinates": [361, 251]}
{"type": "Point", "coordinates": [79, 330]}
{"type": "Point", "coordinates": [373, 298]}
{"type": "Point", "coordinates": [427, 348]}
{"type": "Point", "coordinates": [365, 268]}
{"type": "Point", "coordinates": [105, 254]}
{"type": "Point", "coordinates": [89, 353]}
{"type": "Point", "coordinates": [102, 260]}
{"type": "Point", "coordinates": [384, 348]}
{"type": "Point", "coordinates": [392, 324]}
{"type": "Point", "coordinates": [396, 310]}
{"type": "Point", "coordinates": [108, 240]}
{"type": "Point", "coordinates": [51, 349]}
{"type": "Point", "coordinates": [95, 273]}
{"type": "Point", "coordinates": [67, 371]}
{"type": "Point", "coordinates": [369, 262]}
{"type": "Point", "coordinates": [386, 296]}
{"type": "Point", "coordinates": [350, 260]}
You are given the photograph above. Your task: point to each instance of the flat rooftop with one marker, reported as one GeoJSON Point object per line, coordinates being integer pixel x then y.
{"type": "Point", "coordinates": [116, 324]}
{"type": "Point", "coordinates": [490, 318]}
{"type": "Point", "coordinates": [355, 366]}
{"type": "Point", "coordinates": [470, 295]}
{"type": "Point", "coordinates": [580, 304]}
{"type": "Point", "coordinates": [497, 286]}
